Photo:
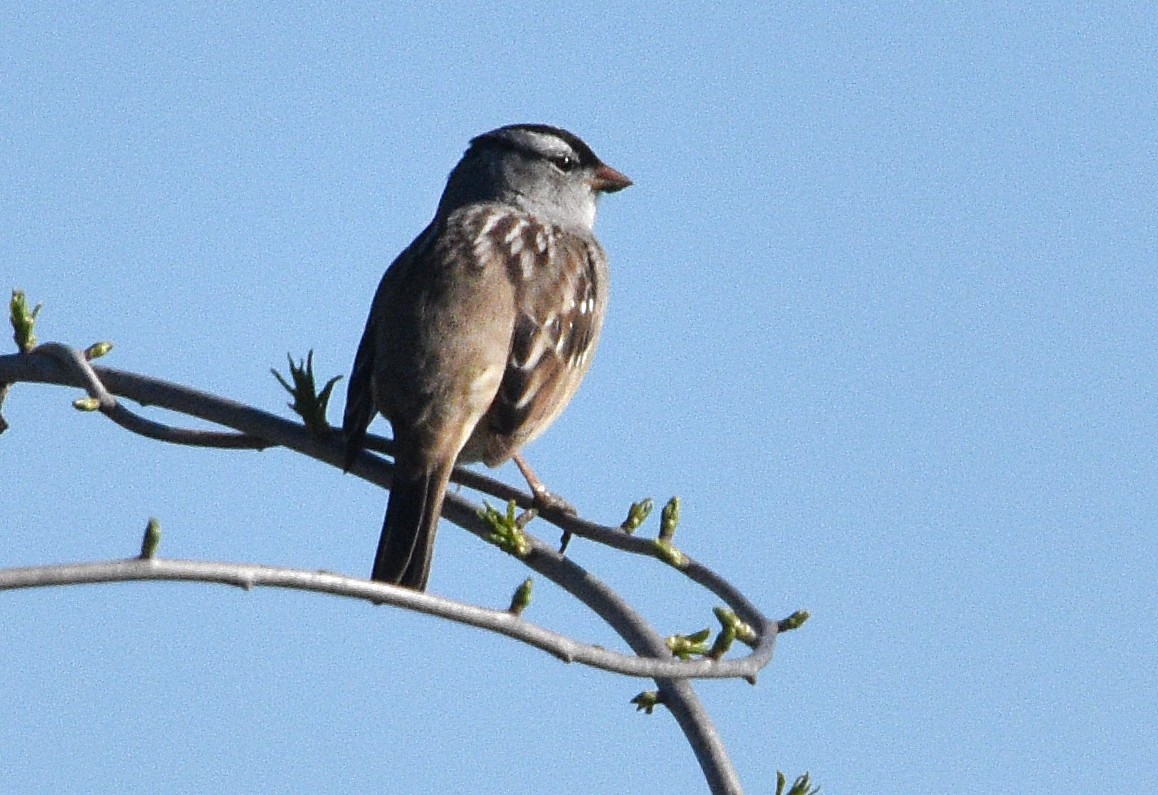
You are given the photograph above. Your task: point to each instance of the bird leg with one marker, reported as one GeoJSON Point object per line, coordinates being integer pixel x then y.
{"type": "Point", "coordinates": [544, 499]}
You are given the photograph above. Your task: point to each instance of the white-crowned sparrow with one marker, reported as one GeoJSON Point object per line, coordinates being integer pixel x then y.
{"type": "Point", "coordinates": [483, 327]}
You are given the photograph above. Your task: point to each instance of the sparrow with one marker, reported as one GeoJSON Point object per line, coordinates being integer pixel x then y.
{"type": "Point", "coordinates": [482, 328]}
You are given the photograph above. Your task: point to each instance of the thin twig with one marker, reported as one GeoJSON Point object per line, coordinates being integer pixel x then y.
{"type": "Point", "coordinates": [84, 372]}
{"type": "Point", "coordinates": [245, 575]}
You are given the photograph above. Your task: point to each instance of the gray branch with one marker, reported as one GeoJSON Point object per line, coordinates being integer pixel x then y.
{"type": "Point", "coordinates": [52, 363]}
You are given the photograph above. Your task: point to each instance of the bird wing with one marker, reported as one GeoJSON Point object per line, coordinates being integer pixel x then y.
{"type": "Point", "coordinates": [561, 289]}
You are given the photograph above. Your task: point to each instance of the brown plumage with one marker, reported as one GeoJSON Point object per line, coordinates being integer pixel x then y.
{"type": "Point", "coordinates": [482, 329]}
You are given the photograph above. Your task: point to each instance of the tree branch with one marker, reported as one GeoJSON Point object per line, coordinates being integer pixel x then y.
{"type": "Point", "coordinates": [247, 576]}
{"type": "Point", "coordinates": [53, 363]}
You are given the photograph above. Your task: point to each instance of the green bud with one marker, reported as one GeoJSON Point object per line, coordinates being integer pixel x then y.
{"type": "Point", "coordinates": [647, 701]}
{"type": "Point", "coordinates": [727, 636]}
{"type": "Point", "coordinates": [729, 619]}
{"type": "Point", "coordinates": [309, 403]}
{"type": "Point", "coordinates": [636, 515]}
{"type": "Point", "coordinates": [151, 539]}
{"type": "Point", "coordinates": [522, 597]}
{"type": "Point", "coordinates": [505, 531]}
{"type": "Point", "coordinates": [97, 350]}
{"type": "Point", "coordinates": [794, 621]}
{"type": "Point", "coordinates": [23, 321]}
{"type": "Point", "coordinates": [669, 518]}
{"type": "Point", "coordinates": [684, 646]}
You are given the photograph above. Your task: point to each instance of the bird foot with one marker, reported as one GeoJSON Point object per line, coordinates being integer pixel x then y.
{"type": "Point", "coordinates": [546, 502]}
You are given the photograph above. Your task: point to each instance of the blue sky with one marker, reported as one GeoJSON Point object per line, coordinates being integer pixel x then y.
{"type": "Point", "coordinates": [884, 313]}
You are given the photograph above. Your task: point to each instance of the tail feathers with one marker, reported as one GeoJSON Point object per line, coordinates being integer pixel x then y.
{"type": "Point", "coordinates": [407, 543]}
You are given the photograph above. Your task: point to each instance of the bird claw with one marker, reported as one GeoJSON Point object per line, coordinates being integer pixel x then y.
{"type": "Point", "coordinates": [546, 502]}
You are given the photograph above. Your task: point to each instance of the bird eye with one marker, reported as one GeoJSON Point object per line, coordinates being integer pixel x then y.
{"type": "Point", "coordinates": [565, 163]}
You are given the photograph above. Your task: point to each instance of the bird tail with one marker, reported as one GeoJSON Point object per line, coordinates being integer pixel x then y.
{"type": "Point", "coordinates": [407, 543]}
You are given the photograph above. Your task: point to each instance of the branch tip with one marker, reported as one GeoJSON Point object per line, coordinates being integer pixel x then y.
{"type": "Point", "coordinates": [636, 515]}
{"type": "Point", "coordinates": [801, 786]}
{"type": "Point", "coordinates": [669, 519]}
{"type": "Point", "coordinates": [506, 532]}
{"type": "Point", "coordinates": [521, 598]}
{"type": "Point", "coordinates": [743, 631]}
{"type": "Point", "coordinates": [685, 646]}
{"type": "Point", "coordinates": [86, 404]}
{"type": "Point", "coordinates": [23, 321]}
{"type": "Point", "coordinates": [308, 403]}
{"type": "Point", "coordinates": [151, 539]}
{"type": "Point", "coordinates": [647, 701]}
{"type": "Point", "coordinates": [794, 621]}
{"type": "Point", "coordinates": [97, 350]}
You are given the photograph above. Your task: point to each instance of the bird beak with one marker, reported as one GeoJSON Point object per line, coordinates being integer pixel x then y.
{"type": "Point", "coordinates": [608, 180]}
